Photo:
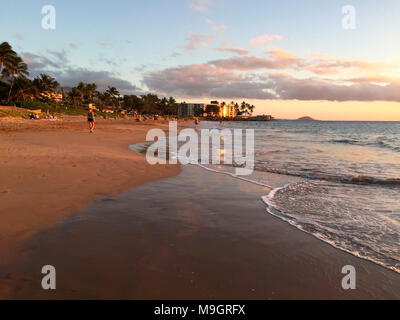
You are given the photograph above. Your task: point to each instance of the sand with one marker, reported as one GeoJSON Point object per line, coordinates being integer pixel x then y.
{"type": "Point", "coordinates": [50, 169]}
{"type": "Point", "coordinates": [197, 235]}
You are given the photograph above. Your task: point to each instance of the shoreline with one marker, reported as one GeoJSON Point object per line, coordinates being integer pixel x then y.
{"type": "Point", "coordinates": [196, 235]}
{"type": "Point", "coordinates": [266, 199]}
{"type": "Point", "coordinates": [51, 169]}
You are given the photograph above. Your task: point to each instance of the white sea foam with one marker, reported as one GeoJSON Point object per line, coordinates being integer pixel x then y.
{"type": "Point", "coordinates": [338, 181]}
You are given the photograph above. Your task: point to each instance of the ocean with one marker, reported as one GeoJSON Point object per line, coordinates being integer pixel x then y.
{"type": "Point", "coordinates": [338, 181]}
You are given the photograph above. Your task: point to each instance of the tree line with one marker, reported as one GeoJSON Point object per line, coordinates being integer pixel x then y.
{"type": "Point", "coordinates": [15, 86]}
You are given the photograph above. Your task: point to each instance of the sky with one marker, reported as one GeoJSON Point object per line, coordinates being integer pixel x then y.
{"type": "Point", "coordinates": [288, 58]}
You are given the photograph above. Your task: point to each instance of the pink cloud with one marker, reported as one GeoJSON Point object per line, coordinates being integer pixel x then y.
{"type": "Point", "coordinates": [236, 50]}
{"type": "Point", "coordinates": [215, 26]}
{"type": "Point", "coordinates": [213, 80]}
{"type": "Point", "coordinates": [289, 88]}
{"type": "Point", "coordinates": [324, 64]}
{"type": "Point", "coordinates": [279, 59]}
{"type": "Point", "coordinates": [264, 39]}
{"type": "Point", "coordinates": [226, 46]}
{"type": "Point", "coordinates": [196, 40]}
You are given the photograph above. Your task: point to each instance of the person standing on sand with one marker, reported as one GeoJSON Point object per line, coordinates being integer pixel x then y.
{"type": "Point", "coordinates": [91, 120]}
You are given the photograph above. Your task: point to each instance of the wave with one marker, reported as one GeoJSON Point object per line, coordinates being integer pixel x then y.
{"type": "Point", "coordinates": [379, 143]}
{"type": "Point", "coordinates": [348, 179]}
{"type": "Point", "coordinates": [310, 225]}
{"type": "Point", "coordinates": [319, 232]}
{"type": "Point", "coordinates": [358, 249]}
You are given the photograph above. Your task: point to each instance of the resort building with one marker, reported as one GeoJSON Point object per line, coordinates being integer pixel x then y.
{"type": "Point", "coordinates": [212, 109]}
{"type": "Point", "coordinates": [227, 111]}
{"type": "Point", "coordinates": [220, 110]}
{"type": "Point", "coordinates": [191, 109]}
{"type": "Point", "coordinates": [56, 96]}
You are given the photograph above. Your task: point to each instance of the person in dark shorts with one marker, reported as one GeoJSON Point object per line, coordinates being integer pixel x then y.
{"type": "Point", "coordinates": [91, 120]}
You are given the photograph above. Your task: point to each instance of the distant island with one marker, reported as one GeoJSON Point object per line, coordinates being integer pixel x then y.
{"type": "Point", "coordinates": [306, 119]}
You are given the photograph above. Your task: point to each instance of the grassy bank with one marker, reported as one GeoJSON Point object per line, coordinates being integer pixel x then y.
{"type": "Point", "coordinates": [24, 109]}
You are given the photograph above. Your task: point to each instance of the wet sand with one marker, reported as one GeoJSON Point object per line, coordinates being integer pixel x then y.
{"type": "Point", "coordinates": [51, 169]}
{"type": "Point", "coordinates": [199, 235]}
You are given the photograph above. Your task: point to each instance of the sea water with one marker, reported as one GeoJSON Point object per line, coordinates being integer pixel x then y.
{"type": "Point", "coordinates": [339, 181]}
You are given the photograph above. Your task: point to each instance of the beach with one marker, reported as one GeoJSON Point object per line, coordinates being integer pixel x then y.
{"type": "Point", "coordinates": [117, 228]}
{"type": "Point", "coordinates": [50, 169]}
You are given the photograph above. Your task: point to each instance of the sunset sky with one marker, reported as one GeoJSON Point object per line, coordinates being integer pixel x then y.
{"type": "Point", "coordinates": [289, 58]}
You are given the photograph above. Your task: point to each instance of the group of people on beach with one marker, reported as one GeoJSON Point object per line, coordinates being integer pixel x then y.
{"type": "Point", "coordinates": [35, 116]}
{"type": "Point", "coordinates": [91, 121]}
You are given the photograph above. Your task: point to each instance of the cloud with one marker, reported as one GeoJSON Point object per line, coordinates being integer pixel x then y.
{"type": "Point", "coordinates": [193, 80]}
{"type": "Point", "coordinates": [216, 27]}
{"type": "Point", "coordinates": [264, 39]}
{"type": "Point", "coordinates": [233, 78]}
{"type": "Point", "coordinates": [56, 64]}
{"type": "Point", "coordinates": [236, 50]}
{"type": "Point", "coordinates": [72, 45]}
{"type": "Point", "coordinates": [324, 64]}
{"type": "Point", "coordinates": [71, 77]}
{"type": "Point", "coordinates": [243, 90]}
{"type": "Point", "coordinates": [196, 40]}
{"type": "Point", "coordinates": [53, 60]}
{"type": "Point", "coordinates": [36, 62]}
{"type": "Point", "coordinates": [60, 56]}
{"type": "Point", "coordinates": [226, 46]}
{"type": "Point", "coordinates": [204, 80]}
{"type": "Point", "coordinates": [288, 88]}
{"type": "Point", "coordinates": [279, 59]}
{"type": "Point", "coordinates": [201, 6]}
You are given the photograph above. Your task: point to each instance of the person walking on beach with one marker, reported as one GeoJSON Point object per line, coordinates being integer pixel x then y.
{"type": "Point", "coordinates": [91, 120]}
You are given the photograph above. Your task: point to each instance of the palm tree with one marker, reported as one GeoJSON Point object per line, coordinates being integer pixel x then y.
{"type": "Point", "coordinates": [46, 86]}
{"type": "Point", "coordinates": [243, 107]}
{"type": "Point", "coordinates": [90, 91]}
{"type": "Point", "coordinates": [7, 57]}
{"type": "Point", "coordinates": [237, 108]}
{"type": "Point", "coordinates": [172, 106]}
{"type": "Point", "coordinates": [251, 109]}
{"type": "Point", "coordinates": [18, 68]}
{"type": "Point", "coordinates": [114, 93]}
{"type": "Point", "coordinates": [75, 97]}
{"type": "Point", "coordinates": [24, 89]}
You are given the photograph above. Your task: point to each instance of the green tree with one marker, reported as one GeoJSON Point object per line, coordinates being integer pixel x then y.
{"type": "Point", "coordinates": [133, 103]}
{"type": "Point", "coordinates": [115, 96]}
{"type": "Point", "coordinates": [18, 68]}
{"type": "Point", "coordinates": [46, 87]}
{"type": "Point", "coordinates": [212, 109]}
{"type": "Point", "coordinates": [172, 106]}
{"type": "Point", "coordinates": [7, 58]}
{"type": "Point", "coordinates": [151, 103]}
{"type": "Point", "coordinates": [24, 90]}
{"type": "Point", "coordinates": [75, 97]}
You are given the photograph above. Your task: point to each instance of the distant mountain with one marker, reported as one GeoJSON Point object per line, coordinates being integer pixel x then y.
{"type": "Point", "coordinates": [305, 119]}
